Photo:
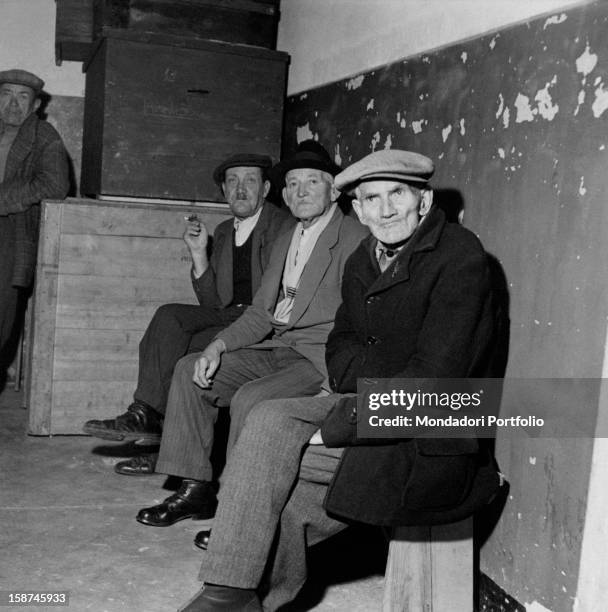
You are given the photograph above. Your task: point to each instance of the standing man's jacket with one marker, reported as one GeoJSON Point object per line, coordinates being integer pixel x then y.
{"type": "Point", "coordinates": [214, 288]}
{"type": "Point", "coordinates": [316, 302]}
{"type": "Point", "coordinates": [430, 315]}
{"type": "Point", "coordinates": [36, 169]}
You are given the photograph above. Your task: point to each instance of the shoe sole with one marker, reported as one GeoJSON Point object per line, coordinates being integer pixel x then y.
{"type": "Point", "coordinates": [122, 436]}
{"type": "Point", "coordinates": [134, 473]}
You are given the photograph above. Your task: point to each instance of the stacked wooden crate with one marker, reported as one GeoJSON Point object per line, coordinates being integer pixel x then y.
{"type": "Point", "coordinates": [103, 269]}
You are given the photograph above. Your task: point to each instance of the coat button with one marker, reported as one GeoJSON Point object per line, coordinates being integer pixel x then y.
{"type": "Point", "coordinates": [372, 340]}
{"type": "Point", "coordinates": [353, 416]}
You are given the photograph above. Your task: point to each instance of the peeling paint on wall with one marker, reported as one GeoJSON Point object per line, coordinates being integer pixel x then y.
{"type": "Point", "coordinates": [417, 126]}
{"type": "Point", "coordinates": [556, 19]}
{"type": "Point", "coordinates": [600, 104]}
{"type": "Point", "coordinates": [586, 62]}
{"type": "Point", "coordinates": [446, 132]}
{"type": "Point", "coordinates": [370, 105]}
{"type": "Point", "coordinates": [546, 108]}
{"type": "Point", "coordinates": [304, 133]}
{"type": "Point", "coordinates": [524, 112]}
{"type": "Point", "coordinates": [355, 82]}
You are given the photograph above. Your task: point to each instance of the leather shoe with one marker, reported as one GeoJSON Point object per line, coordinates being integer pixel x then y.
{"type": "Point", "coordinates": [141, 465]}
{"type": "Point", "coordinates": [216, 598]}
{"type": "Point", "coordinates": [195, 499]}
{"type": "Point", "coordinates": [201, 539]}
{"type": "Point", "coordinates": [139, 423]}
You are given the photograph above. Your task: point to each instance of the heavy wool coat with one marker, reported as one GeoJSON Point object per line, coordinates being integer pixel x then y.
{"type": "Point", "coordinates": [429, 315]}
{"type": "Point", "coordinates": [214, 288]}
{"type": "Point", "coordinates": [36, 169]}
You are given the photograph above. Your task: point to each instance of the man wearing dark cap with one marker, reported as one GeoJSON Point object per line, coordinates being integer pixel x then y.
{"type": "Point", "coordinates": [276, 348]}
{"type": "Point", "coordinates": [416, 304]}
{"type": "Point", "coordinates": [224, 285]}
{"type": "Point", "coordinates": [33, 167]}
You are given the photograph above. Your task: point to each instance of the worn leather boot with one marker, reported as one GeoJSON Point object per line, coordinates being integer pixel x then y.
{"type": "Point", "coordinates": [216, 598]}
{"type": "Point", "coordinates": [195, 499]}
{"type": "Point", "coordinates": [140, 465]}
{"type": "Point", "coordinates": [140, 423]}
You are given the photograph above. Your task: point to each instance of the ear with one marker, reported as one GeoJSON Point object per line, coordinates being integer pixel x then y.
{"type": "Point", "coordinates": [266, 188]}
{"type": "Point", "coordinates": [426, 200]}
{"type": "Point", "coordinates": [334, 194]}
{"type": "Point", "coordinates": [224, 189]}
{"type": "Point", "coordinates": [37, 103]}
{"type": "Point", "coordinates": [284, 194]}
{"type": "Point", "coordinates": [358, 209]}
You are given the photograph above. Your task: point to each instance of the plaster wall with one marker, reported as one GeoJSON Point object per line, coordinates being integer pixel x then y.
{"type": "Point", "coordinates": [332, 39]}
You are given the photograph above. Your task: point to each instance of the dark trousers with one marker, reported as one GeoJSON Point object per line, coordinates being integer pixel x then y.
{"type": "Point", "coordinates": [174, 331]}
{"type": "Point", "coordinates": [9, 295]}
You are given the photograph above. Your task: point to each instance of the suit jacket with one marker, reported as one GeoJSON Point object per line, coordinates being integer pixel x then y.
{"type": "Point", "coordinates": [316, 302]}
{"type": "Point", "coordinates": [36, 169]}
{"type": "Point", "coordinates": [214, 288]}
{"type": "Point", "coordinates": [430, 315]}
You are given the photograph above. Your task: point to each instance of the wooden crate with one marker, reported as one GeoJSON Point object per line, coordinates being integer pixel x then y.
{"type": "Point", "coordinates": [251, 22]}
{"type": "Point", "coordinates": [103, 269]}
{"type": "Point", "coordinates": [73, 30]}
{"type": "Point", "coordinates": [161, 112]}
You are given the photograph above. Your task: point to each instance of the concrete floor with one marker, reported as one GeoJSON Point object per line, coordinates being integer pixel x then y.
{"type": "Point", "coordinates": [67, 524]}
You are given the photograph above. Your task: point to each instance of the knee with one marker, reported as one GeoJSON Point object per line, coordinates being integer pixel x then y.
{"type": "Point", "coordinates": [165, 313]}
{"type": "Point", "coordinates": [261, 415]}
{"type": "Point", "coordinates": [184, 369]}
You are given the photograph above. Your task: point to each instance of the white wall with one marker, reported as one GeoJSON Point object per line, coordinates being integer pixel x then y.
{"type": "Point", "coordinates": [332, 39]}
{"type": "Point", "coordinates": [27, 40]}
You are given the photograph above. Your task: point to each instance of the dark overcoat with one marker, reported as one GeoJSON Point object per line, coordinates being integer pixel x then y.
{"type": "Point", "coordinates": [36, 169]}
{"type": "Point", "coordinates": [429, 315]}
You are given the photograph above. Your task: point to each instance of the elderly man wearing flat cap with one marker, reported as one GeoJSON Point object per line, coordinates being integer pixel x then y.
{"type": "Point", "coordinates": [276, 348]}
{"type": "Point", "coordinates": [224, 284]}
{"type": "Point", "coordinates": [416, 304]}
{"type": "Point", "coordinates": [33, 167]}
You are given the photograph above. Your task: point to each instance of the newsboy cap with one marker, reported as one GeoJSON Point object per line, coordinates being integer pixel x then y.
{"type": "Point", "coordinates": [22, 77]}
{"type": "Point", "coordinates": [389, 164]}
{"type": "Point", "coordinates": [242, 159]}
{"type": "Point", "coordinates": [309, 154]}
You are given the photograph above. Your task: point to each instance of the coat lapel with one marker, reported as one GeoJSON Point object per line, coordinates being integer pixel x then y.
{"type": "Point", "coordinates": [317, 265]}
{"type": "Point", "coordinates": [273, 275]}
{"type": "Point", "coordinates": [22, 147]}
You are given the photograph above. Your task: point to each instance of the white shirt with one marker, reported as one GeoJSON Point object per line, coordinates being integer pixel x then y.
{"type": "Point", "coordinates": [244, 227]}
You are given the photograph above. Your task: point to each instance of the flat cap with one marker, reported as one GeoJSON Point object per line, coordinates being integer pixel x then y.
{"type": "Point", "coordinates": [241, 159]}
{"type": "Point", "coordinates": [388, 164]}
{"type": "Point", "coordinates": [22, 77]}
{"type": "Point", "coordinates": [309, 154]}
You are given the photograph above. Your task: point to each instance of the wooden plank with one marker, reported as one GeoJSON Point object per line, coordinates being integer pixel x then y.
{"type": "Point", "coordinates": [40, 388]}
{"type": "Point", "coordinates": [136, 220]}
{"type": "Point", "coordinates": [123, 256]}
{"type": "Point", "coordinates": [120, 344]}
{"type": "Point", "coordinates": [110, 369]}
{"type": "Point", "coordinates": [77, 402]}
{"type": "Point", "coordinates": [430, 569]}
{"type": "Point", "coordinates": [73, 30]}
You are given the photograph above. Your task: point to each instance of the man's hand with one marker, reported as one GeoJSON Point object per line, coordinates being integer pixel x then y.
{"type": "Point", "coordinates": [207, 364]}
{"type": "Point", "coordinates": [316, 439]}
{"type": "Point", "coordinates": [196, 238]}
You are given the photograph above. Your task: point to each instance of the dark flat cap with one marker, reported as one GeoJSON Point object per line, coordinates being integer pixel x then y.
{"type": "Point", "coordinates": [389, 164]}
{"type": "Point", "coordinates": [241, 159]}
{"type": "Point", "coordinates": [22, 77]}
{"type": "Point", "coordinates": [309, 154]}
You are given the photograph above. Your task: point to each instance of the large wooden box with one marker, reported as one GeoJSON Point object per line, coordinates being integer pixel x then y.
{"type": "Point", "coordinates": [73, 30]}
{"type": "Point", "coordinates": [103, 269]}
{"type": "Point", "coordinates": [161, 112]}
{"type": "Point", "coordinates": [251, 22]}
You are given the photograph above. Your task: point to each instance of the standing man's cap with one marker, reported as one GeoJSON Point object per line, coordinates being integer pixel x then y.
{"type": "Point", "coordinates": [309, 154]}
{"type": "Point", "coordinates": [388, 164]}
{"type": "Point", "coordinates": [241, 159]}
{"type": "Point", "coordinates": [22, 77]}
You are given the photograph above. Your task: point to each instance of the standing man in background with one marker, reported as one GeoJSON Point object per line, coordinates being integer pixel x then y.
{"type": "Point", "coordinates": [224, 284]}
{"type": "Point", "coordinates": [33, 167]}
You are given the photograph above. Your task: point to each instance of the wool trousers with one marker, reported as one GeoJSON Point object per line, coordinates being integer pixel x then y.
{"type": "Point", "coordinates": [174, 331]}
{"type": "Point", "coordinates": [271, 501]}
{"type": "Point", "coordinates": [245, 378]}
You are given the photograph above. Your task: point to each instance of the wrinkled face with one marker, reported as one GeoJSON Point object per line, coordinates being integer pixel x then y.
{"type": "Point", "coordinates": [17, 103]}
{"type": "Point", "coordinates": [392, 210]}
{"type": "Point", "coordinates": [244, 188]}
{"type": "Point", "coordinates": [309, 193]}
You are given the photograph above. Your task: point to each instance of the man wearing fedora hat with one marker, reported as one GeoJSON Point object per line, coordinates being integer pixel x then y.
{"type": "Point", "coordinates": [33, 167]}
{"type": "Point", "coordinates": [276, 348]}
{"type": "Point", "coordinates": [224, 284]}
{"type": "Point", "coordinates": [417, 303]}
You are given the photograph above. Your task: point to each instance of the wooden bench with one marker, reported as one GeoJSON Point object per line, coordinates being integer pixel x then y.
{"type": "Point", "coordinates": [430, 569]}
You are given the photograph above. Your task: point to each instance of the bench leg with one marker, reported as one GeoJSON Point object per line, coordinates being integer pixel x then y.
{"type": "Point", "coordinates": [430, 569]}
